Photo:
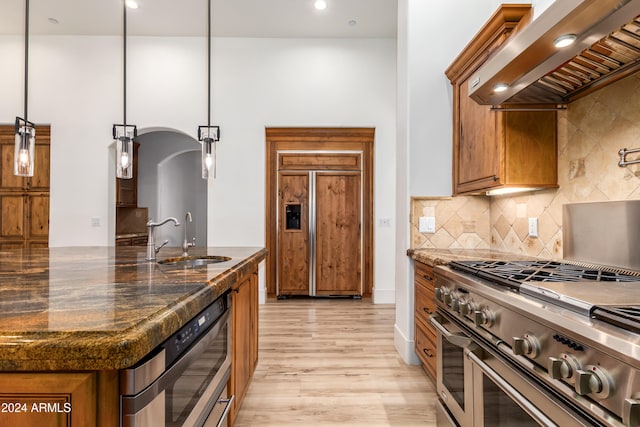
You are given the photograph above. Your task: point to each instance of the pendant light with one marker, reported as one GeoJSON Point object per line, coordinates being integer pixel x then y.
{"type": "Point", "coordinates": [208, 135]}
{"type": "Point", "coordinates": [124, 134]}
{"type": "Point", "coordinates": [25, 130]}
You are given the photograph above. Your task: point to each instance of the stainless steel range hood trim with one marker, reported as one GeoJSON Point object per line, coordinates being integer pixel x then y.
{"type": "Point", "coordinates": [529, 54]}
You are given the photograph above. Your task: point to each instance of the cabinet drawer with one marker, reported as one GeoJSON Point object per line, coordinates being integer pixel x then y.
{"type": "Point", "coordinates": [425, 304]}
{"type": "Point", "coordinates": [426, 348]}
{"type": "Point", "coordinates": [423, 274]}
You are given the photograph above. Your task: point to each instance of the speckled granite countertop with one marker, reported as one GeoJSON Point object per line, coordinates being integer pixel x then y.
{"type": "Point", "coordinates": [435, 257]}
{"type": "Point", "coordinates": [102, 308]}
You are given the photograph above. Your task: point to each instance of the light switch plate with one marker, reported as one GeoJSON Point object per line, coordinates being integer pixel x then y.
{"type": "Point", "coordinates": [533, 227]}
{"type": "Point", "coordinates": [427, 224]}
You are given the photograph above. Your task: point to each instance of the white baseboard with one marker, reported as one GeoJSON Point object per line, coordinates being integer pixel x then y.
{"type": "Point", "coordinates": [405, 347]}
{"type": "Point", "coordinates": [384, 296]}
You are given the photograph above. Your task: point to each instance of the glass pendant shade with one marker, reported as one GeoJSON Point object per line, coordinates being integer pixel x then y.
{"type": "Point", "coordinates": [24, 154]}
{"type": "Point", "coordinates": [123, 136]}
{"type": "Point", "coordinates": [208, 135]}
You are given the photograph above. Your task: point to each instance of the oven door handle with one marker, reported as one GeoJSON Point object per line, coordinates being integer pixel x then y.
{"type": "Point", "coordinates": [527, 406]}
{"type": "Point", "coordinates": [459, 340]}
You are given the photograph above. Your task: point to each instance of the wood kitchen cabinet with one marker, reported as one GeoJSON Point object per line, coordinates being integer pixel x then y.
{"type": "Point", "coordinates": [244, 353]}
{"type": "Point", "coordinates": [127, 189]}
{"type": "Point", "coordinates": [491, 148]}
{"type": "Point", "coordinates": [24, 201]}
{"type": "Point", "coordinates": [59, 399]}
{"type": "Point", "coordinates": [424, 307]}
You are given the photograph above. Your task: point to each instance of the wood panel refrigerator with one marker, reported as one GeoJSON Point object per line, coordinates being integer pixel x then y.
{"type": "Point", "coordinates": [319, 233]}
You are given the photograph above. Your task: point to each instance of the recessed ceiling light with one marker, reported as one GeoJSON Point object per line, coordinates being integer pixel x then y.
{"type": "Point", "coordinates": [131, 4]}
{"type": "Point", "coordinates": [565, 40]}
{"type": "Point", "coordinates": [352, 22]}
{"type": "Point", "coordinates": [52, 20]}
{"type": "Point", "coordinates": [500, 87]}
{"type": "Point", "coordinates": [320, 4]}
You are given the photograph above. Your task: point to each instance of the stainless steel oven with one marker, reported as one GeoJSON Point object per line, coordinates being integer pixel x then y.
{"type": "Point", "coordinates": [478, 386]}
{"type": "Point", "coordinates": [183, 382]}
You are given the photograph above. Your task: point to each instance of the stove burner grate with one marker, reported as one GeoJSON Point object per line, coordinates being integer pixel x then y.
{"type": "Point", "coordinates": [513, 273]}
{"type": "Point", "coordinates": [627, 318]}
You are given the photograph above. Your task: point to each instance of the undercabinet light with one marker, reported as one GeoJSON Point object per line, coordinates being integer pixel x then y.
{"type": "Point", "coordinates": [509, 190]}
{"type": "Point", "coordinates": [565, 40]}
{"type": "Point", "coordinates": [500, 87]}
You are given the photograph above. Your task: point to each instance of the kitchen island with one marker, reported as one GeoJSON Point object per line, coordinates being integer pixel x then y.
{"type": "Point", "coordinates": [70, 318]}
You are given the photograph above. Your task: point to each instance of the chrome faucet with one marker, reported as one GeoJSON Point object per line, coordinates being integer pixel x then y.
{"type": "Point", "coordinates": [151, 240]}
{"type": "Point", "coordinates": [186, 244]}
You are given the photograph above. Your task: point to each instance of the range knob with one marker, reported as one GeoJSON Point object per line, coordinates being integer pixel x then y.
{"type": "Point", "coordinates": [527, 345]}
{"type": "Point", "coordinates": [455, 305]}
{"type": "Point", "coordinates": [467, 307]}
{"type": "Point", "coordinates": [448, 299]}
{"type": "Point", "coordinates": [440, 293]}
{"type": "Point", "coordinates": [483, 317]}
{"type": "Point", "coordinates": [594, 381]}
{"type": "Point", "coordinates": [564, 367]}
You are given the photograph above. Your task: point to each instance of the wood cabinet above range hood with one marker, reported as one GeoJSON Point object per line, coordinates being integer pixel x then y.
{"type": "Point", "coordinates": [536, 72]}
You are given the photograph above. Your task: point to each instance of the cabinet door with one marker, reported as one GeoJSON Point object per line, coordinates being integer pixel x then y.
{"type": "Point", "coordinates": [8, 181]}
{"type": "Point", "coordinates": [39, 217]}
{"type": "Point", "coordinates": [293, 233]}
{"type": "Point", "coordinates": [12, 216]}
{"type": "Point", "coordinates": [478, 145]}
{"type": "Point", "coordinates": [338, 263]}
{"type": "Point", "coordinates": [244, 351]}
{"type": "Point", "coordinates": [37, 400]}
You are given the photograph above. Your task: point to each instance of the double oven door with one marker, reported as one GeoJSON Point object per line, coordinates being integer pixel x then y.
{"type": "Point", "coordinates": [190, 392]}
{"type": "Point", "coordinates": [479, 387]}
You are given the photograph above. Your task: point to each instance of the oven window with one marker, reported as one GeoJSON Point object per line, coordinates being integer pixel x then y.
{"type": "Point", "coordinates": [183, 395]}
{"type": "Point", "coordinates": [453, 371]}
{"type": "Point", "coordinates": [500, 410]}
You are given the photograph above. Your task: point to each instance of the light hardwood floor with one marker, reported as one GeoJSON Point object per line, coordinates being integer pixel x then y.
{"type": "Point", "coordinates": [332, 362]}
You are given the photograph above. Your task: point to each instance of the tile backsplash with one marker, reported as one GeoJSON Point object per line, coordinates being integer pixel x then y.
{"type": "Point", "coordinates": [590, 133]}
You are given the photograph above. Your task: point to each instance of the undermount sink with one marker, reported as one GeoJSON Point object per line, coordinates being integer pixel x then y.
{"type": "Point", "coordinates": [194, 261]}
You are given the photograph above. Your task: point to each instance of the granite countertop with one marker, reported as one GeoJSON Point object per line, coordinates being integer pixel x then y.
{"type": "Point", "coordinates": [434, 257]}
{"type": "Point", "coordinates": [102, 308]}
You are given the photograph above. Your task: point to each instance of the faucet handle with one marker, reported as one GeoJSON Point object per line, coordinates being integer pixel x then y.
{"type": "Point", "coordinates": [161, 246]}
{"type": "Point", "coordinates": [193, 242]}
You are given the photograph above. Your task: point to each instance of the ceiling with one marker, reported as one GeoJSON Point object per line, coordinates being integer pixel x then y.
{"type": "Point", "coordinates": [230, 18]}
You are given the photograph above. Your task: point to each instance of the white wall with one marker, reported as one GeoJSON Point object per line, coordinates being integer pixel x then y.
{"type": "Point", "coordinates": [76, 86]}
{"type": "Point", "coordinates": [430, 36]}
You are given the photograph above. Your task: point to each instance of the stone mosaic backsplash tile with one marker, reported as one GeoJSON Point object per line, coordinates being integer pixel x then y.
{"type": "Point", "coordinates": [590, 133]}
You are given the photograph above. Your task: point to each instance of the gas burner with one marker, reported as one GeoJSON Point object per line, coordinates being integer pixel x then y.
{"type": "Point", "coordinates": [513, 273]}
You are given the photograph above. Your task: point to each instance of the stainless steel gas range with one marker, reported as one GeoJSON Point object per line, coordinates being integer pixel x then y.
{"type": "Point", "coordinates": [536, 342]}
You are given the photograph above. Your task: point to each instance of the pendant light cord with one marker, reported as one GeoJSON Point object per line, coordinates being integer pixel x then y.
{"type": "Point", "coordinates": [26, 57]}
{"type": "Point", "coordinates": [209, 64]}
{"type": "Point", "coordinates": [124, 68]}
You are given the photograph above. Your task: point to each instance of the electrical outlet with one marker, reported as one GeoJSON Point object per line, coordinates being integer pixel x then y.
{"type": "Point", "coordinates": [533, 227]}
{"type": "Point", "coordinates": [95, 222]}
{"type": "Point", "coordinates": [427, 224]}
{"type": "Point", "coordinates": [384, 222]}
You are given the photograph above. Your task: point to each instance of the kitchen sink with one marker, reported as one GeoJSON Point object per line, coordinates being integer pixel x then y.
{"type": "Point", "coordinates": [194, 261]}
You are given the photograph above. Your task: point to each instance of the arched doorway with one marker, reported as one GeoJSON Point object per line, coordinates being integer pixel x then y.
{"type": "Point", "coordinates": [168, 184]}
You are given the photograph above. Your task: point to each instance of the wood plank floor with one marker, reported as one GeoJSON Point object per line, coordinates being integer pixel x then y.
{"type": "Point", "coordinates": [330, 362]}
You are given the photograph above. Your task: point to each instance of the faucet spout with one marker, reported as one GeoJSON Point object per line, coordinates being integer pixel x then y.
{"type": "Point", "coordinates": [151, 240]}
{"type": "Point", "coordinates": [185, 243]}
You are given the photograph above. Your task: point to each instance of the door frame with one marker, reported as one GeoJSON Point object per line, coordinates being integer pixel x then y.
{"type": "Point", "coordinates": [319, 139]}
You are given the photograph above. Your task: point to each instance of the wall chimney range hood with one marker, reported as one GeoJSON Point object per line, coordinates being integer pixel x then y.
{"type": "Point", "coordinates": [536, 72]}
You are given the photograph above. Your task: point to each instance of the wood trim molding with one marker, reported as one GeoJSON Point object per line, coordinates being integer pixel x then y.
{"type": "Point", "coordinates": [310, 139]}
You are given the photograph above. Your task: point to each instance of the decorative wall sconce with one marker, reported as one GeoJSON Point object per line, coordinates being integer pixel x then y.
{"type": "Point", "coordinates": [208, 135]}
{"type": "Point", "coordinates": [124, 134]}
{"type": "Point", "coordinates": [24, 154]}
